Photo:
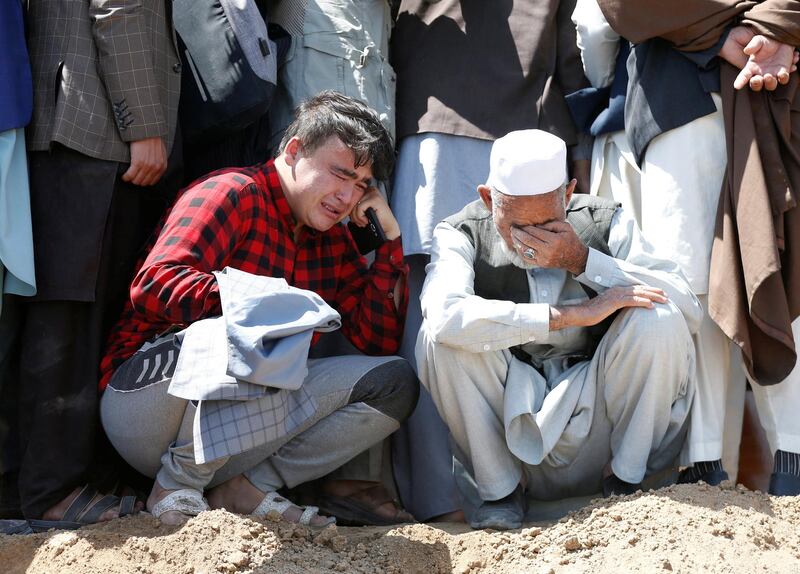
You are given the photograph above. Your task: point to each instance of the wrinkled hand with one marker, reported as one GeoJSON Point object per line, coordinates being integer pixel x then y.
{"type": "Point", "coordinates": [595, 310]}
{"type": "Point", "coordinates": [148, 162]}
{"type": "Point", "coordinates": [769, 64]}
{"type": "Point", "coordinates": [373, 198]}
{"type": "Point", "coordinates": [555, 245]}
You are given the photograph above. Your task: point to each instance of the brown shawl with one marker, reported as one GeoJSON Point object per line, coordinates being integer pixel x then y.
{"type": "Point", "coordinates": [754, 291]}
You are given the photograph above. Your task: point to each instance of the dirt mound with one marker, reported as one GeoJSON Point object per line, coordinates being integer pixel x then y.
{"type": "Point", "coordinates": [679, 529]}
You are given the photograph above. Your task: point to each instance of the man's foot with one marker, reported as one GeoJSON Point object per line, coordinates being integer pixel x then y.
{"type": "Point", "coordinates": [56, 512]}
{"type": "Point", "coordinates": [240, 496]}
{"type": "Point", "coordinates": [709, 471]}
{"type": "Point", "coordinates": [81, 507]}
{"type": "Point", "coordinates": [785, 479]}
{"type": "Point", "coordinates": [504, 514]}
{"type": "Point", "coordinates": [362, 503]}
{"type": "Point", "coordinates": [175, 507]}
{"type": "Point", "coordinates": [615, 486]}
{"type": "Point", "coordinates": [455, 516]}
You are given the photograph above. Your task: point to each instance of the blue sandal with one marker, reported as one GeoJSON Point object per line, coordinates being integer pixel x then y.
{"type": "Point", "coordinates": [15, 526]}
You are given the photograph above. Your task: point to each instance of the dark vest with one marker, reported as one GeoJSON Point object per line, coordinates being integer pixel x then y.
{"type": "Point", "coordinates": [496, 277]}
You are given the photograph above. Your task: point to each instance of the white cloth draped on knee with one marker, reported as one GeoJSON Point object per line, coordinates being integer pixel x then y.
{"type": "Point", "coordinates": [535, 416]}
{"type": "Point", "coordinates": [246, 368]}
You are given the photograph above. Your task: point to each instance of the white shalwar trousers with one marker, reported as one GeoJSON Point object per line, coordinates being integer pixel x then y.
{"type": "Point", "coordinates": [779, 407]}
{"type": "Point", "coordinates": [628, 406]}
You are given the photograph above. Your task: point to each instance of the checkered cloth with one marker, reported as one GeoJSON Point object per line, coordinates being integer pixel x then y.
{"type": "Point", "coordinates": [246, 368]}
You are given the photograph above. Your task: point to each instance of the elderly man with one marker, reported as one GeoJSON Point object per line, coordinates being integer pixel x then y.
{"type": "Point", "coordinates": [279, 221]}
{"type": "Point", "coordinates": [557, 347]}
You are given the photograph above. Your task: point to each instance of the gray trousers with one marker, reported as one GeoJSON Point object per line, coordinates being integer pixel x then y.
{"type": "Point", "coordinates": [361, 400]}
{"type": "Point", "coordinates": [628, 405]}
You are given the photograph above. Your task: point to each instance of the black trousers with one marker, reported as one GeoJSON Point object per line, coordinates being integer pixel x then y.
{"type": "Point", "coordinates": [60, 442]}
{"type": "Point", "coordinates": [10, 324]}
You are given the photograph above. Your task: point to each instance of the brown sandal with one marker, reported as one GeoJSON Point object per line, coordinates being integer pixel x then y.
{"type": "Point", "coordinates": [359, 508]}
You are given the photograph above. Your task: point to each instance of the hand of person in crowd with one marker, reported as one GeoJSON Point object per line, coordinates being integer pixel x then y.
{"type": "Point", "coordinates": [555, 245]}
{"type": "Point", "coordinates": [732, 50]}
{"type": "Point", "coordinates": [148, 162]}
{"type": "Point", "coordinates": [770, 62]}
{"type": "Point", "coordinates": [581, 170]}
{"type": "Point", "coordinates": [373, 198]}
{"type": "Point", "coordinates": [764, 62]}
{"type": "Point", "coordinates": [597, 309]}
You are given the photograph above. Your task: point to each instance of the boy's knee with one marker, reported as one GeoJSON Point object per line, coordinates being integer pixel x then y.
{"type": "Point", "coordinates": [391, 388]}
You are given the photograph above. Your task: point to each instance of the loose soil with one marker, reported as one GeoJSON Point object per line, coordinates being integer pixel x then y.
{"type": "Point", "coordinates": [687, 528]}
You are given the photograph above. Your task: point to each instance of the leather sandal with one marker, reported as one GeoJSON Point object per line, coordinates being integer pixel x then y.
{"type": "Point", "coordinates": [359, 508]}
{"type": "Point", "coordinates": [82, 511]}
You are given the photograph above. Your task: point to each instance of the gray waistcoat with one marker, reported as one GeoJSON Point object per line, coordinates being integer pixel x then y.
{"type": "Point", "coordinates": [496, 277]}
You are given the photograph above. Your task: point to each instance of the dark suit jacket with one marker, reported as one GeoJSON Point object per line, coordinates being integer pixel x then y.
{"type": "Point", "coordinates": [105, 72]}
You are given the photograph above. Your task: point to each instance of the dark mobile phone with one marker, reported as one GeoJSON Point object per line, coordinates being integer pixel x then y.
{"type": "Point", "coordinates": [369, 237]}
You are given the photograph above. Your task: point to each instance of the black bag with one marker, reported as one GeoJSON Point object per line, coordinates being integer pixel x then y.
{"type": "Point", "coordinates": [229, 66]}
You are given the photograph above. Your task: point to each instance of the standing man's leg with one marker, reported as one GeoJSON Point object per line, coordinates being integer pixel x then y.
{"type": "Point", "coordinates": [679, 211]}
{"type": "Point", "coordinates": [10, 322]}
{"type": "Point", "coordinates": [88, 250]}
{"type": "Point", "coordinates": [778, 408]}
{"type": "Point", "coordinates": [436, 176]}
{"type": "Point", "coordinates": [17, 280]}
{"type": "Point", "coordinates": [423, 463]}
{"type": "Point", "coordinates": [675, 203]}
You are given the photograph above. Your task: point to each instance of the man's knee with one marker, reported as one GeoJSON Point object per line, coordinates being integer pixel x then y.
{"type": "Point", "coordinates": [662, 325]}
{"type": "Point", "coordinates": [391, 388]}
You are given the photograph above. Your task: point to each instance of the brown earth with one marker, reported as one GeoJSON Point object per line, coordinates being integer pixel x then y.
{"type": "Point", "coordinates": [692, 529]}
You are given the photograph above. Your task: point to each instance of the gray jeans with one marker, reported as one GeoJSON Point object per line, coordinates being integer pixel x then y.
{"type": "Point", "coordinates": [361, 400]}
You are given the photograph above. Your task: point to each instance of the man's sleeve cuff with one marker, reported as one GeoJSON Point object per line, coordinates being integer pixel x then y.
{"type": "Point", "coordinates": [600, 269]}
{"type": "Point", "coordinates": [533, 320]}
{"type": "Point", "coordinates": [389, 256]}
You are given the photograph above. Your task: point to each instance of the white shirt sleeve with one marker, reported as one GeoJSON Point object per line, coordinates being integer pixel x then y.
{"type": "Point", "coordinates": [598, 43]}
{"type": "Point", "coordinates": [634, 262]}
{"type": "Point", "coordinates": [456, 317]}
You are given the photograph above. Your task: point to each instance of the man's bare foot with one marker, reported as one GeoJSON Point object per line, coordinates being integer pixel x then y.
{"type": "Point", "coordinates": [370, 494]}
{"type": "Point", "coordinates": [56, 512]}
{"type": "Point", "coordinates": [171, 517]}
{"type": "Point", "coordinates": [240, 496]}
{"type": "Point", "coordinates": [455, 516]}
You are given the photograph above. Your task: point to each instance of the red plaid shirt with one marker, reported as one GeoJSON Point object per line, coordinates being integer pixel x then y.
{"type": "Point", "coordinates": [240, 218]}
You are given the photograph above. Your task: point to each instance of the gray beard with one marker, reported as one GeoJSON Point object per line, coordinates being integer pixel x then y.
{"type": "Point", "coordinates": [516, 259]}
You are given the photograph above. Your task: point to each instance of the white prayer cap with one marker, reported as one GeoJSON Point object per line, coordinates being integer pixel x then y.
{"type": "Point", "coordinates": [527, 162]}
